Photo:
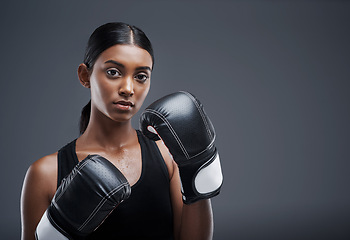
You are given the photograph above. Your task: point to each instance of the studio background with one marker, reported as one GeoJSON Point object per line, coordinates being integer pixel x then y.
{"type": "Point", "coordinates": [273, 77]}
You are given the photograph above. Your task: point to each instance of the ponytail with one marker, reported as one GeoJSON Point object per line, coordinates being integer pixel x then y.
{"type": "Point", "coordinates": [85, 117]}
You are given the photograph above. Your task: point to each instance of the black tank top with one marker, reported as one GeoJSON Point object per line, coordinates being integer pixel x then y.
{"type": "Point", "coordinates": [147, 213]}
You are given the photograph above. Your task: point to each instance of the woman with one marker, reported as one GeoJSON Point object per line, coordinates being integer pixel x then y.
{"type": "Point", "coordinates": [117, 69]}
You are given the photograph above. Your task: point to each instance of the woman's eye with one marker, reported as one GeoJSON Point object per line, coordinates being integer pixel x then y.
{"type": "Point", "coordinates": [113, 72]}
{"type": "Point", "coordinates": [141, 77]}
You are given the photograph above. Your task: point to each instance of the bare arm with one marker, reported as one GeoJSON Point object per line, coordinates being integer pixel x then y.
{"type": "Point", "coordinates": [196, 219]}
{"type": "Point", "coordinates": [193, 221]}
{"type": "Point", "coordinates": [38, 188]}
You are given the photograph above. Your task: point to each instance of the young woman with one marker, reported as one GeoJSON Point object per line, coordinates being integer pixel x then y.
{"type": "Point", "coordinates": [117, 69]}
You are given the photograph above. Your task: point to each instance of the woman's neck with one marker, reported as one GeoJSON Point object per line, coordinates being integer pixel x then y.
{"type": "Point", "coordinates": [108, 134]}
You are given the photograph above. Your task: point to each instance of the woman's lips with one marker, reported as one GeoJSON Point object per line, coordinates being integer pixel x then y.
{"type": "Point", "coordinates": [124, 105]}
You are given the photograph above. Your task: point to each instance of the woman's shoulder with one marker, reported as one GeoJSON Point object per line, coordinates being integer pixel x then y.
{"type": "Point", "coordinates": [43, 172]}
{"type": "Point", "coordinates": [40, 182]}
{"type": "Point", "coordinates": [45, 164]}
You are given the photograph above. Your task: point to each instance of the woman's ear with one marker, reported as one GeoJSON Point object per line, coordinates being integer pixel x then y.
{"type": "Point", "coordinates": [84, 75]}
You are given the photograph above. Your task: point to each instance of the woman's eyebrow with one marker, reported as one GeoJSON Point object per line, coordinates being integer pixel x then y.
{"type": "Point", "coordinates": [144, 68]}
{"type": "Point", "coordinates": [115, 62]}
{"type": "Point", "coordinates": [121, 65]}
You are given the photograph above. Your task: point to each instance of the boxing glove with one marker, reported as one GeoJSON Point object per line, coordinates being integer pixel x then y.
{"type": "Point", "coordinates": [180, 121]}
{"type": "Point", "coordinates": [84, 199]}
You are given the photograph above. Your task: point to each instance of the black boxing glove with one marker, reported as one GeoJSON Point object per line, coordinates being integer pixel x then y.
{"type": "Point", "coordinates": [180, 121]}
{"type": "Point", "coordinates": [85, 198]}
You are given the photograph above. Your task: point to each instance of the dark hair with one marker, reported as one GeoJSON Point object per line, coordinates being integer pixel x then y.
{"type": "Point", "coordinates": [104, 37]}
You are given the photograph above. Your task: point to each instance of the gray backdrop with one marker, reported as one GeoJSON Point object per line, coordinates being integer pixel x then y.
{"type": "Point", "coordinates": [272, 75]}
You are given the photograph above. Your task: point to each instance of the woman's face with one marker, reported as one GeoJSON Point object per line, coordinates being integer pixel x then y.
{"type": "Point", "coordinates": [120, 81]}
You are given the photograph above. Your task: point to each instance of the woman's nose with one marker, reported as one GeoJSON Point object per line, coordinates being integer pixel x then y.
{"type": "Point", "coordinates": [127, 87]}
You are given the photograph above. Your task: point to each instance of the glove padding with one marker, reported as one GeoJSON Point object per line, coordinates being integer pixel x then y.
{"type": "Point", "coordinates": [180, 121]}
{"type": "Point", "coordinates": [85, 198]}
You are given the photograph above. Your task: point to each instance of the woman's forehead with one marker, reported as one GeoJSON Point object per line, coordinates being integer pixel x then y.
{"type": "Point", "coordinates": [126, 54]}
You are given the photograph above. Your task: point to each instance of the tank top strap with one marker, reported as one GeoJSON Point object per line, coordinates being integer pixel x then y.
{"type": "Point", "coordinates": [66, 160]}
{"type": "Point", "coordinates": [151, 157]}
